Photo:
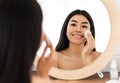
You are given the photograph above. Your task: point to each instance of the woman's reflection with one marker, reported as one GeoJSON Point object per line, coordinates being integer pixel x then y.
{"type": "Point", "coordinates": [76, 46]}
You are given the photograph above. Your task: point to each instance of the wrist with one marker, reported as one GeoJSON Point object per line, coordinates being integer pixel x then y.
{"type": "Point", "coordinates": [86, 60]}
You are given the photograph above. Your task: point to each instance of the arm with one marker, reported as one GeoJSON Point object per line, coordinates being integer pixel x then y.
{"type": "Point", "coordinates": [87, 53]}
{"type": "Point", "coordinates": [44, 63]}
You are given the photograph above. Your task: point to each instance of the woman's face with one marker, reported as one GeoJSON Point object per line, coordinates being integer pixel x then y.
{"type": "Point", "coordinates": [76, 28]}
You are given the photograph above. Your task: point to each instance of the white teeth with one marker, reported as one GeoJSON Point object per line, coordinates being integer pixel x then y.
{"type": "Point", "coordinates": [77, 36]}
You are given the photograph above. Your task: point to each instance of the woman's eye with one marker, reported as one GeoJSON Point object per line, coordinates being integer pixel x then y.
{"type": "Point", "coordinates": [84, 26]}
{"type": "Point", "coordinates": [73, 24]}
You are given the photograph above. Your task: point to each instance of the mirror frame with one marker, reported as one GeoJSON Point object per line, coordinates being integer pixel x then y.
{"type": "Point", "coordinates": [105, 57]}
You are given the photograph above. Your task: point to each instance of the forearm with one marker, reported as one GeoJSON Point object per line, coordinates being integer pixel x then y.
{"type": "Point", "coordinates": [86, 60]}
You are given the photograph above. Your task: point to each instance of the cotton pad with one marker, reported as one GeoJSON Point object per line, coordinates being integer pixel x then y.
{"type": "Point", "coordinates": [86, 32]}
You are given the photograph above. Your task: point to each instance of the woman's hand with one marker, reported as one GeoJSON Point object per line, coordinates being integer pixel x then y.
{"type": "Point", "coordinates": [46, 39]}
{"type": "Point", "coordinates": [87, 51]}
{"type": "Point", "coordinates": [45, 63]}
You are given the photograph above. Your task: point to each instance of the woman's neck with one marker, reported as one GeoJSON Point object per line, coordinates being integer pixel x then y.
{"type": "Point", "coordinates": [74, 49]}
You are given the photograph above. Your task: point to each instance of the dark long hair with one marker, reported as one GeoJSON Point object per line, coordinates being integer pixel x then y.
{"type": "Point", "coordinates": [20, 34]}
{"type": "Point", "coordinates": [63, 41]}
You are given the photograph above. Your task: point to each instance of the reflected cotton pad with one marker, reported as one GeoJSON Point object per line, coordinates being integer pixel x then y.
{"type": "Point", "coordinates": [86, 32]}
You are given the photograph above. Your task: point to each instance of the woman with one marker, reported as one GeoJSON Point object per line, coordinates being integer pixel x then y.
{"type": "Point", "coordinates": [75, 49]}
{"type": "Point", "coordinates": [20, 38]}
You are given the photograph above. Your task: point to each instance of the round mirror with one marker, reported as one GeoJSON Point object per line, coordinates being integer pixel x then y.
{"type": "Point", "coordinates": [55, 13]}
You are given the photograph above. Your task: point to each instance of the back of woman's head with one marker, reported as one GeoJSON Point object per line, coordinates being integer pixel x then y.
{"type": "Point", "coordinates": [20, 33]}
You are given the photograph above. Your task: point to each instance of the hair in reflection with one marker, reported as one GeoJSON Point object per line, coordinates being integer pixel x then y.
{"type": "Point", "coordinates": [63, 41]}
{"type": "Point", "coordinates": [20, 34]}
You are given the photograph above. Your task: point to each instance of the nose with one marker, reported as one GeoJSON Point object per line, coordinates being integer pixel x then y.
{"type": "Point", "coordinates": [78, 29]}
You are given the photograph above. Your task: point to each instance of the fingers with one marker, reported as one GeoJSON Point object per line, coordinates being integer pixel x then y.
{"type": "Point", "coordinates": [45, 63]}
{"type": "Point", "coordinates": [90, 40]}
{"type": "Point", "coordinates": [89, 37]}
{"type": "Point", "coordinates": [47, 40]}
{"type": "Point", "coordinates": [42, 58]}
{"type": "Point", "coordinates": [44, 51]}
{"type": "Point", "coordinates": [90, 45]}
{"type": "Point", "coordinates": [42, 66]}
{"type": "Point", "coordinates": [43, 54]}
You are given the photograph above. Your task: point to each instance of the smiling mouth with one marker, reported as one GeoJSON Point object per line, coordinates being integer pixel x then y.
{"type": "Point", "coordinates": [77, 36]}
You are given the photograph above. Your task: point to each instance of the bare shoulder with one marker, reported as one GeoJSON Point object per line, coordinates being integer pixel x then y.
{"type": "Point", "coordinates": [61, 58]}
{"type": "Point", "coordinates": [56, 63]}
{"type": "Point", "coordinates": [37, 79]}
{"type": "Point", "coordinates": [60, 54]}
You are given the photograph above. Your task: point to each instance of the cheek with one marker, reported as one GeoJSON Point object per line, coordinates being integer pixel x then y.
{"type": "Point", "coordinates": [67, 30]}
{"type": "Point", "coordinates": [68, 33]}
{"type": "Point", "coordinates": [88, 29]}
{"type": "Point", "coordinates": [70, 29]}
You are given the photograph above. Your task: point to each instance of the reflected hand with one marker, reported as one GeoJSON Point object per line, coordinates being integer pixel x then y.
{"type": "Point", "coordinates": [87, 51]}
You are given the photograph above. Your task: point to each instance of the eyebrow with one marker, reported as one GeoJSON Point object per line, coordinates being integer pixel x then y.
{"type": "Point", "coordinates": [84, 22]}
{"type": "Point", "coordinates": [76, 22]}
{"type": "Point", "coordinates": [73, 21]}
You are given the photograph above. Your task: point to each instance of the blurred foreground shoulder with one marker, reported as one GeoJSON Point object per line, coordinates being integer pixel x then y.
{"type": "Point", "coordinates": [37, 79]}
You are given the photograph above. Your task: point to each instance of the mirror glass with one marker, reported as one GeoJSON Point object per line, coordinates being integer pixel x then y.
{"type": "Point", "coordinates": [56, 11]}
